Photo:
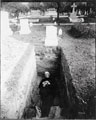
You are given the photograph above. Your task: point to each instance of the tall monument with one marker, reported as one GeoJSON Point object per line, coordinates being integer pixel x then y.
{"type": "Point", "coordinates": [73, 18]}
{"type": "Point", "coordinates": [73, 6]}
{"type": "Point", "coordinates": [73, 14]}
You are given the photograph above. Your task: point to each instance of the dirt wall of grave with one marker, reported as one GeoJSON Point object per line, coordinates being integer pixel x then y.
{"type": "Point", "coordinates": [18, 76]}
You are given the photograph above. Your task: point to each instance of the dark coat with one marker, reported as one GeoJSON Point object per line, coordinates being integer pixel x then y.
{"type": "Point", "coordinates": [50, 87]}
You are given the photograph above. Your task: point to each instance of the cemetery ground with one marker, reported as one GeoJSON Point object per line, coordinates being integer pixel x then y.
{"type": "Point", "coordinates": [79, 53]}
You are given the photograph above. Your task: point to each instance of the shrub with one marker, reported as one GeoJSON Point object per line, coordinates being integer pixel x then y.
{"type": "Point", "coordinates": [63, 20]}
{"type": "Point", "coordinates": [92, 15]}
{"type": "Point", "coordinates": [86, 31]}
{"type": "Point", "coordinates": [90, 19]}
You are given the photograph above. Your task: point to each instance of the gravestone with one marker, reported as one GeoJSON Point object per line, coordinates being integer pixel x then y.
{"type": "Point", "coordinates": [73, 6]}
{"type": "Point", "coordinates": [51, 12]}
{"type": "Point", "coordinates": [31, 24]}
{"type": "Point", "coordinates": [73, 18]}
{"type": "Point", "coordinates": [24, 26]}
{"type": "Point", "coordinates": [5, 28]}
{"type": "Point", "coordinates": [73, 14]}
{"type": "Point", "coordinates": [60, 31]}
{"type": "Point", "coordinates": [79, 12]}
{"type": "Point", "coordinates": [55, 23]}
{"type": "Point", "coordinates": [51, 36]}
{"type": "Point", "coordinates": [85, 12]}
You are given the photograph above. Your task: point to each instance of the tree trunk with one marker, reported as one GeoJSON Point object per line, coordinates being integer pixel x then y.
{"type": "Point", "coordinates": [58, 8]}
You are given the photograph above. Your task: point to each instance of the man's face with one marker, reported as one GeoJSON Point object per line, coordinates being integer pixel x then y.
{"type": "Point", "coordinates": [47, 74]}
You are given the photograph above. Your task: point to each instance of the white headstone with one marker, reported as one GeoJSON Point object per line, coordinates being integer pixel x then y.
{"type": "Point", "coordinates": [60, 31]}
{"type": "Point", "coordinates": [51, 36]}
{"type": "Point", "coordinates": [31, 24]}
{"type": "Point", "coordinates": [55, 23]}
{"type": "Point", "coordinates": [5, 28]}
{"type": "Point", "coordinates": [53, 18]}
{"type": "Point", "coordinates": [24, 26]}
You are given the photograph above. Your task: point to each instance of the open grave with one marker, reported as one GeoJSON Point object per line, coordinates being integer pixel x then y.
{"type": "Point", "coordinates": [52, 59]}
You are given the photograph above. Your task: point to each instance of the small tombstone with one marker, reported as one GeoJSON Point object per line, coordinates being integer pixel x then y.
{"type": "Point", "coordinates": [31, 24]}
{"type": "Point", "coordinates": [60, 31]}
{"type": "Point", "coordinates": [5, 28]}
{"type": "Point", "coordinates": [90, 10]}
{"type": "Point", "coordinates": [79, 12]}
{"type": "Point", "coordinates": [53, 18]}
{"type": "Point", "coordinates": [55, 23]}
{"type": "Point", "coordinates": [24, 26]}
{"type": "Point", "coordinates": [51, 36]}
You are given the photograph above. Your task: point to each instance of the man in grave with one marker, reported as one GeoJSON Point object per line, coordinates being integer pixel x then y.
{"type": "Point", "coordinates": [48, 91]}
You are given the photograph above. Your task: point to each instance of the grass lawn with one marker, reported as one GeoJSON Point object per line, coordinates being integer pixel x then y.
{"type": "Point", "coordinates": [85, 31]}
{"type": "Point", "coordinates": [80, 54]}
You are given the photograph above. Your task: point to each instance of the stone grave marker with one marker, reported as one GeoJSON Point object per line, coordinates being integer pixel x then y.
{"type": "Point", "coordinates": [31, 24]}
{"type": "Point", "coordinates": [73, 6]}
{"type": "Point", "coordinates": [73, 18]}
{"type": "Point", "coordinates": [79, 12]}
{"type": "Point", "coordinates": [24, 26]}
{"type": "Point", "coordinates": [73, 14]}
{"type": "Point", "coordinates": [85, 12]}
{"type": "Point", "coordinates": [51, 36]}
{"type": "Point", "coordinates": [5, 27]}
{"type": "Point", "coordinates": [60, 31]}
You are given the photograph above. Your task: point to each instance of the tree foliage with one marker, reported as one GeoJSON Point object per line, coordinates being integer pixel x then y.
{"type": "Point", "coordinates": [16, 7]}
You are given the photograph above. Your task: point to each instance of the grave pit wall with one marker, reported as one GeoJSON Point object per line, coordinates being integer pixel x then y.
{"type": "Point", "coordinates": [18, 66]}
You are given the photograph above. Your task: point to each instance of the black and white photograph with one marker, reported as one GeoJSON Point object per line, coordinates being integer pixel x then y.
{"type": "Point", "coordinates": [48, 59]}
